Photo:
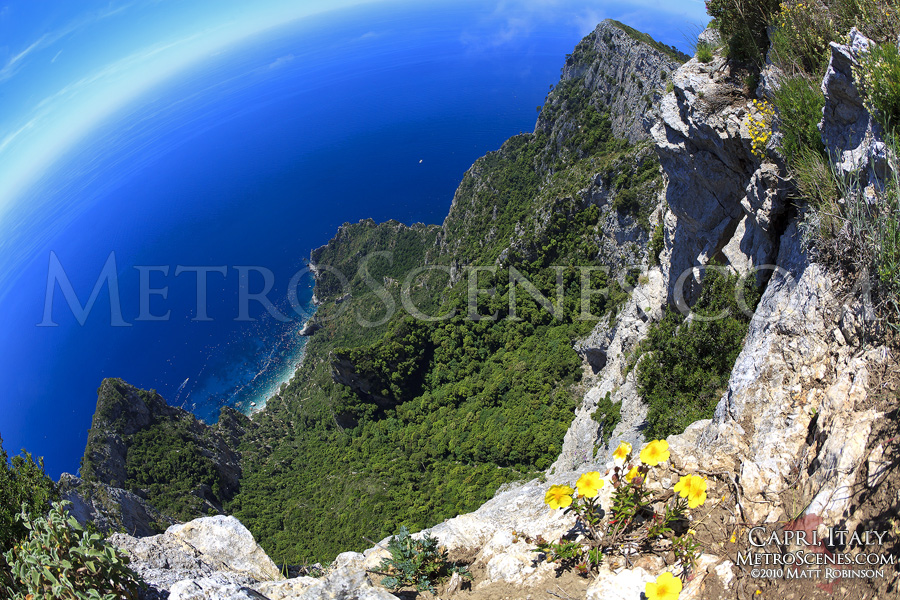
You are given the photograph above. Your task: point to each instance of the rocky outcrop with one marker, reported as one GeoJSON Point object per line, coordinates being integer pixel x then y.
{"type": "Point", "coordinates": [216, 558]}
{"type": "Point", "coordinates": [123, 411]}
{"type": "Point", "coordinates": [217, 550]}
{"type": "Point", "coordinates": [627, 70]}
{"type": "Point", "coordinates": [723, 204]}
{"type": "Point", "coordinates": [848, 130]}
{"type": "Point", "coordinates": [582, 443]}
{"type": "Point", "coordinates": [111, 509]}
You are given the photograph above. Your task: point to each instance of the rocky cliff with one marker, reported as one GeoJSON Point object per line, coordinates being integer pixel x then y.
{"type": "Point", "coordinates": [801, 430]}
{"type": "Point", "coordinates": [160, 453]}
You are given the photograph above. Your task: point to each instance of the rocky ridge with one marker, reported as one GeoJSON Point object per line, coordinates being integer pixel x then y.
{"type": "Point", "coordinates": [123, 412]}
{"type": "Point", "coordinates": [795, 415]}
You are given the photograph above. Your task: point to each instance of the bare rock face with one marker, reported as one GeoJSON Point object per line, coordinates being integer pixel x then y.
{"type": "Point", "coordinates": [791, 384]}
{"type": "Point", "coordinates": [627, 72]}
{"type": "Point", "coordinates": [111, 509]}
{"type": "Point", "coordinates": [216, 558]}
{"type": "Point", "coordinates": [582, 448]}
{"type": "Point", "coordinates": [848, 130]}
{"type": "Point", "coordinates": [218, 550]}
{"type": "Point", "coordinates": [723, 203]}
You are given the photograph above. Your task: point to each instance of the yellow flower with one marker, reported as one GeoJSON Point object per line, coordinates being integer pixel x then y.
{"type": "Point", "coordinates": [655, 452]}
{"type": "Point", "coordinates": [631, 474]}
{"type": "Point", "coordinates": [692, 487]}
{"type": "Point", "coordinates": [589, 484]}
{"type": "Point", "coordinates": [621, 453]}
{"type": "Point", "coordinates": [666, 587]}
{"type": "Point", "coordinates": [559, 496]}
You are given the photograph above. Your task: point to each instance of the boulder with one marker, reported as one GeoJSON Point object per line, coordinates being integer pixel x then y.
{"type": "Point", "coordinates": [218, 550]}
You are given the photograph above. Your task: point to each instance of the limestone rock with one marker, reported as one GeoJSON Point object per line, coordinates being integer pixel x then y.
{"type": "Point", "coordinates": [210, 589]}
{"type": "Point", "coordinates": [287, 589]}
{"type": "Point", "coordinates": [848, 130]}
{"type": "Point", "coordinates": [345, 584]}
{"type": "Point", "coordinates": [218, 549]}
{"type": "Point", "coordinates": [111, 509]}
{"type": "Point", "coordinates": [626, 72]}
{"type": "Point", "coordinates": [627, 584]}
{"type": "Point", "coordinates": [724, 204]}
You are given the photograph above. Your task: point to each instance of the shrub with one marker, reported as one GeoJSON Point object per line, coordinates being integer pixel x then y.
{"type": "Point", "coordinates": [878, 77]}
{"type": "Point", "coordinates": [742, 25]}
{"type": "Point", "coordinates": [878, 20]}
{"type": "Point", "coordinates": [59, 560]}
{"type": "Point", "coordinates": [799, 101]}
{"type": "Point", "coordinates": [801, 37]}
{"type": "Point", "coordinates": [814, 180]}
{"type": "Point", "coordinates": [684, 366]}
{"type": "Point", "coordinates": [657, 242]}
{"type": "Point", "coordinates": [607, 415]}
{"type": "Point", "coordinates": [704, 52]}
{"type": "Point", "coordinates": [22, 482]}
{"type": "Point", "coordinates": [418, 563]}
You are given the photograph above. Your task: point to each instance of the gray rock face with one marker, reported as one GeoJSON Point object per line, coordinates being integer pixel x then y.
{"type": "Point", "coordinates": [628, 73]}
{"type": "Point", "coordinates": [848, 130]}
{"type": "Point", "coordinates": [111, 509]}
{"type": "Point", "coordinates": [723, 203]}
{"type": "Point", "coordinates": [789, 383]}
{"type": "Point", "coordinates": [218, 550]}
{"type": "Point", "coordinates": [345, 584]}
{"type": "Point", "coordinates": [210, 589]}
{"type": "Point", "coordinates": [582, 445]}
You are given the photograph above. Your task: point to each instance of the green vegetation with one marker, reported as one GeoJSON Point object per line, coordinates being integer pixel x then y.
{"type": "Point", "coordinates": [636, 186]}
{"type": "Point", "coordinates": [704, 52]}
{"type": "Point", "coordinates": [799, 101]}
{"type": "Point", "coordinates": [23, 485]}
{"type": "Point", "coordinates": [878, 75]}
{"type": "Point", "coordinates": [657, 242]}
{"type": "Point", "coordinates": [683, 366]}
{"type": "Point", "coordinates": [167, 464]}
{"type": "Point", "coordinates": [417, 563]}
{"type": "Point", "coordinates": [45, 553]}
{"type": "Point", "coordinates": [169, 456]}
{"type": "Point", "coordinates": [742, 25]}
{"type": "Point", "coordinates": [670, 51]}
{"type": "Point", "coordinates": [607, 415]}
{"type": "Point", "coordinates": [59, 559]}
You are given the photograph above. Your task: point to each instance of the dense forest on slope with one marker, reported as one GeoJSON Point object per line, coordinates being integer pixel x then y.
{"type": "Point", "coordinates": [442, 365]}
{"type": "Point", "coordinates": [393, 420]}
{"type": "Point", "coordinates": [181, 466]}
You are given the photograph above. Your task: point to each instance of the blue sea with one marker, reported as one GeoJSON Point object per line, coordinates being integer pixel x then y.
{"type": "Point", "coordinates": [245, 164]}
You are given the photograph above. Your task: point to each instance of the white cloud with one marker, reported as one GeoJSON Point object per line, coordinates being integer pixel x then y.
{"type": "Point", "coordinates": [281, 61]}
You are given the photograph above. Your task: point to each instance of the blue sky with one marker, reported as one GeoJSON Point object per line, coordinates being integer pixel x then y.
{"type": "Point", "coordinates": [66, 66]}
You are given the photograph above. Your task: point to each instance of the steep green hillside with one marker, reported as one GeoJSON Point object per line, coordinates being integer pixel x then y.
{"type": "Point", "coordinates": [181, 466]}
{"type": "Point", "coordinates": [442, 365]}
{"type": "Point", "coordinates": [394, 420]}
